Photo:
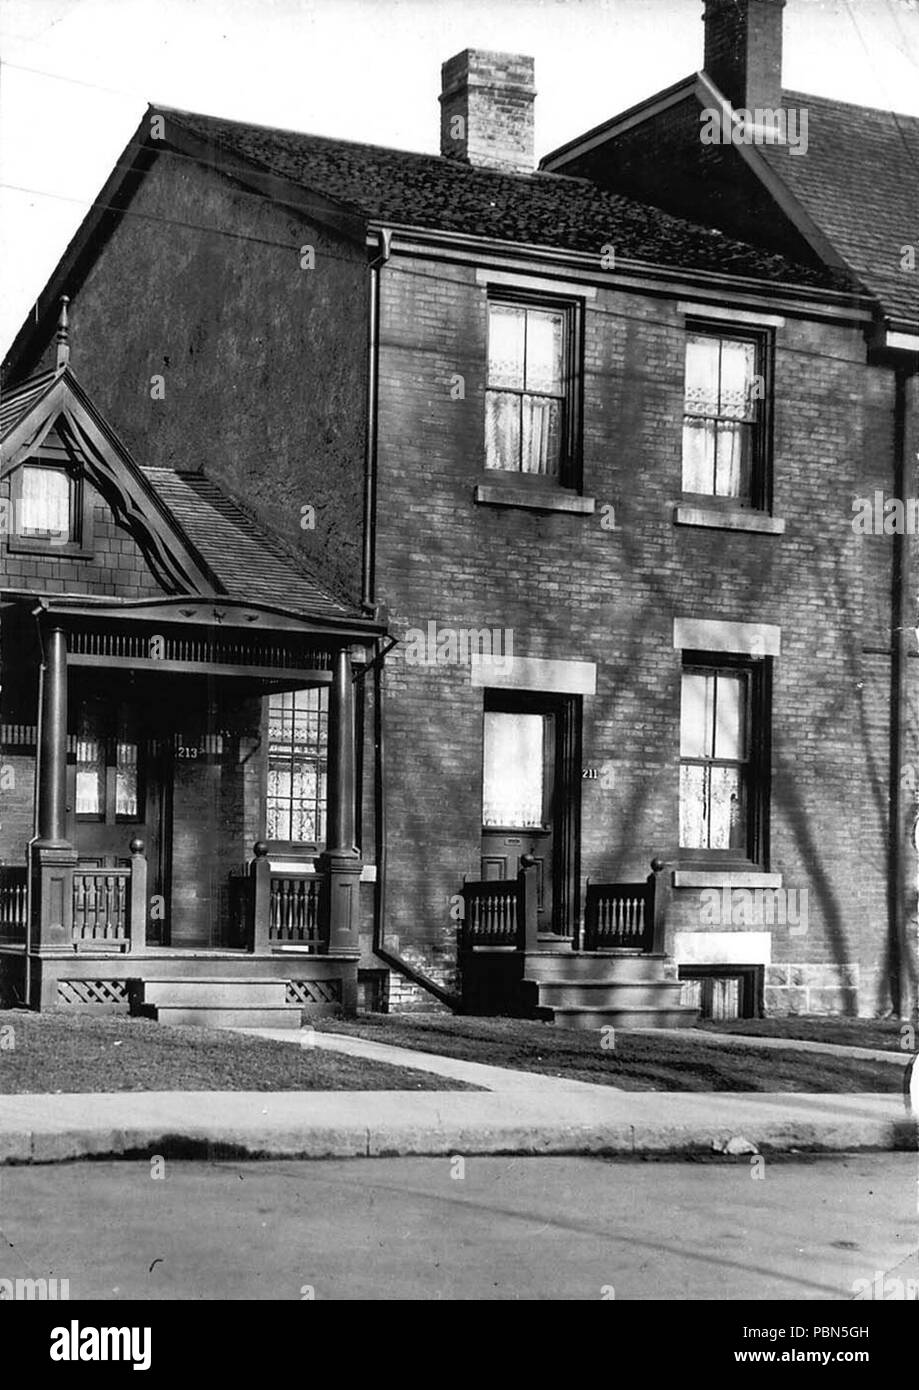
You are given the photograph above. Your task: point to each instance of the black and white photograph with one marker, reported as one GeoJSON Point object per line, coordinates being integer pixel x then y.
{"type": "Point", "coordinates": [459, 671]}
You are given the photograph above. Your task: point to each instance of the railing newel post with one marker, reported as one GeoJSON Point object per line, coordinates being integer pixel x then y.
{"type": "Point", "coordinates": [259, 925]}
{"type": "Point", "coordinates": [137, 922]}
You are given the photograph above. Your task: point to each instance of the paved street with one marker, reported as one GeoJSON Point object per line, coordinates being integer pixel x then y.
{"type": "Point", "coordinates": [509, 1228]}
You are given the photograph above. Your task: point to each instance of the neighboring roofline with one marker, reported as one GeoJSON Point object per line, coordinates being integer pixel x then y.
{"type": "Point", "coordinates": [703, 88]}
{"type": "Point", "coordinates": [776, 186]}
{"type": "Point", "coordinates": [633, 115]}
{"type": "Point", "coordinates": [807, 300]}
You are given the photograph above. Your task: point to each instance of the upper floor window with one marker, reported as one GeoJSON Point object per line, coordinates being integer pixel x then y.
{"type": "Point", "coordinates": [45, 503]}
{"type": "Point", "coordinates": [723, 764]}
{"type": "Point", "coordinates": [725, 416]}
{"type": "Point", "coordinates": [297, 750]}
{"type": "Point", "coordinates": [530, 407]}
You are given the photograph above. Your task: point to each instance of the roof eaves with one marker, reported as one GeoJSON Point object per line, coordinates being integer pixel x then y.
{"type": "Point", "coordinates": [477, 246]}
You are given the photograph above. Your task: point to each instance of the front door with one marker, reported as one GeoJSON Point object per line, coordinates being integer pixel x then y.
{"type": "Point", "coordinates": [518, 795]}
{"type": "Point", "coordinates": [114, 785]}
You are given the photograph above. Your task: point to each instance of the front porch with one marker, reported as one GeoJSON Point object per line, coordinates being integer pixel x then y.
{"type": "Point", "coordinates": [136, 893]}
{"type": "Point", "coordinates": [616, 970]}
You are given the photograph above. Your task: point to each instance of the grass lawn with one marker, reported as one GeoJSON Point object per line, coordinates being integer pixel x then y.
{"type": "Point", "coordinates": [637, 1063]}
{"type": "Point", "coordinates": [54, 1053]}
{"type": "Point", "coordinates": [886, 1034]}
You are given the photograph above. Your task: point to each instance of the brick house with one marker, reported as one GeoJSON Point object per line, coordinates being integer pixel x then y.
{"type": "Point", "coordinates": [527, 509]}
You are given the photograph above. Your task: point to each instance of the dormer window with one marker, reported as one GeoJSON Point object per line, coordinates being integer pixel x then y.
{"type": "Point", "coordinates": [46, 504]}
{"type": "Point", "coordinates": [50, 506]}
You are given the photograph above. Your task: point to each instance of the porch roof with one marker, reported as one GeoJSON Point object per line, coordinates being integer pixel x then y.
{"type": "Point", "coordinates": [252, 565]}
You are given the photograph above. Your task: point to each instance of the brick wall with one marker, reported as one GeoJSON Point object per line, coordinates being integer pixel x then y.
{"type": "Point", "coordinates": [569, 589]}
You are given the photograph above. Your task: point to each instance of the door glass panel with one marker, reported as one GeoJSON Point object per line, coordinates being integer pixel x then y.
{"type": "Point", "coordinates": [513, 774]}
{"type": "Point", "coordinates": [126, 781]}
{"type": "Point", "coordinates": [90, 789]}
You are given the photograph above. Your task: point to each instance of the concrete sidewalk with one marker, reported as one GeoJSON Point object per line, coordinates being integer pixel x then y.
{"type": "Point", "coordinates": [518, 1113]}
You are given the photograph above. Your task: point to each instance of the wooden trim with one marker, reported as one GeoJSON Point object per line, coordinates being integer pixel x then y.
{"type": "Point", "coordinates": [311, 676]}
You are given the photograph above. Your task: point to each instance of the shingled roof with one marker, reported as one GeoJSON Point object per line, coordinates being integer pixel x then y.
{"type": "Point", "coordinates": [859, 181]}
{"type": "Point", "coordinates": [250, 562]}
{"type": "Point", "coordinates": [538, 209]}
{"type": "Point", "coordinates": [16, 403]}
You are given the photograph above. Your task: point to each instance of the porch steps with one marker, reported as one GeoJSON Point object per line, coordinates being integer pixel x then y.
{"type": "Point", "coordinates": [225, 1002]}
{"type": "Point", "coordinates": [596, 989]}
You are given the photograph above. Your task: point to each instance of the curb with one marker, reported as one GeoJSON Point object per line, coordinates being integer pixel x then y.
{"type": "Point", "coordinates": [824, 1134]}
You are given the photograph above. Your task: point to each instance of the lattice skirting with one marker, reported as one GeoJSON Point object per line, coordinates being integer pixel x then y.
{"type": "Point", "coordinates": [313, 992]}
{"type": "Point", "coordinates": [76, 992]}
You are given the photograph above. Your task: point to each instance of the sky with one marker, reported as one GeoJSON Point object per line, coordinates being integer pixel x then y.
{"type": "Point", "coordinates": [76, 76]}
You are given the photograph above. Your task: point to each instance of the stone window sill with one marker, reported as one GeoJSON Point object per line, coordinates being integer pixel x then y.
{"type": "Point", "coordinates": [725, 878]}
{"type": "Point", "coordinates": [533, 497]}
{"type": "Point", "coordinates": [728, 519]}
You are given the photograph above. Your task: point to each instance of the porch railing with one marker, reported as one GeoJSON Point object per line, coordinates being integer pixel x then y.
{"type": "Point", "coordinates": [293, 913]}
{"type": "Point", "coordinates": [501, 912]}
{"type": "Point", "coordinates": [13, 903]}
{"type": "Point", "coordinates": [274, 904]}
{"type": "Point", "coordinates": [627, 916]}
{"type": "Point", "coordinates": [100, 905]}
{"type": "Point", "coordinates": [618, 916]}
{"type": "Point", "coordinates": [109, 906]}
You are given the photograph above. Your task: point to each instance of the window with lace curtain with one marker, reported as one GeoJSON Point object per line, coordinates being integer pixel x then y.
{"type": "Point", "coordinates": [297, 753]}
{"type": "Point", "coordinates": [724, 759]}
{"type": "Point", "coordinates": [530, 425]}
{"type": "Point", "coordinates": [725, 416]}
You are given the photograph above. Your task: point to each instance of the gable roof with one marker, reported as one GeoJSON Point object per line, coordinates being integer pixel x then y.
{"type": "Point", "coordinates": [859, 181]}
{"type": "Point", "coordinates": [853, 196]}
{"type": "Point", "coordinates": [195, 538]}
{"type": "Point", "coordinates": [250, 562]}
{"type": "Point", "coordinates": [432, 192]}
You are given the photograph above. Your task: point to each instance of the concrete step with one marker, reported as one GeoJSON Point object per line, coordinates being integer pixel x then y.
{"type": "Point", "coordinates": [594, 965]}
{"type": "Point", "coordinates": [205, 1016]}
{"type": "Point", "coordinates": [224, 992]}
{"type": "Point", "coordinates": [638, 1016]}
{"type": "Point", "coordinates": [608, 993]}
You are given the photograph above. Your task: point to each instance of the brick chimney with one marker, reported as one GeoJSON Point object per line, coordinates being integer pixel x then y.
{"type": "Point", "coordinates": [486, 110]}
{"type": "Point", "coordinates": [743, 51]}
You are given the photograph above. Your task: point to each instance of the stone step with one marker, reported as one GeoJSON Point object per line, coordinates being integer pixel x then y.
{"type": "Point", "coordinates": [639, 1016]}
{"type": "Point", "coordinates": [224, 992]}
{"type": "Point", "coordinates": [609, 993]}
{"type": "Point", "coordinates": [594, 965]}
{"type": "Point", "coordinates": [205, 1016]}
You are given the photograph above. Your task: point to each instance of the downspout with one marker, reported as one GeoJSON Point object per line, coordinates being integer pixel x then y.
{"type": "Point", "coordinates": [370, 451]}
{"type": "Point", "coordinates": [368, 604]}
{"type": "Point", "coordinates": [898, 888]}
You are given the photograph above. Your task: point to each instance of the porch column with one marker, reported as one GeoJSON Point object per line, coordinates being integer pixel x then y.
{"type": "Point", "coordinates": [53, 855]}
{"type": "Point", "coordinates": [52, 790]}
{"type": "Point", "coordinates": [341, 862]}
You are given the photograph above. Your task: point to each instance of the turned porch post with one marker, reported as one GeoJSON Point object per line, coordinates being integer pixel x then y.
{"type": "Point", "coordinates": [52, 790]}
{"type": "Point", "coordinates": [54, 856]}
{"type": "Point", "coordinates": [341, 862]}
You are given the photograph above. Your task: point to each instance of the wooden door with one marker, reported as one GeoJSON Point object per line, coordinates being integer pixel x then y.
{"type": "Point", "coordinates": [114, 785]}
{"type": "Point", "coordinates": [518, 797]}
